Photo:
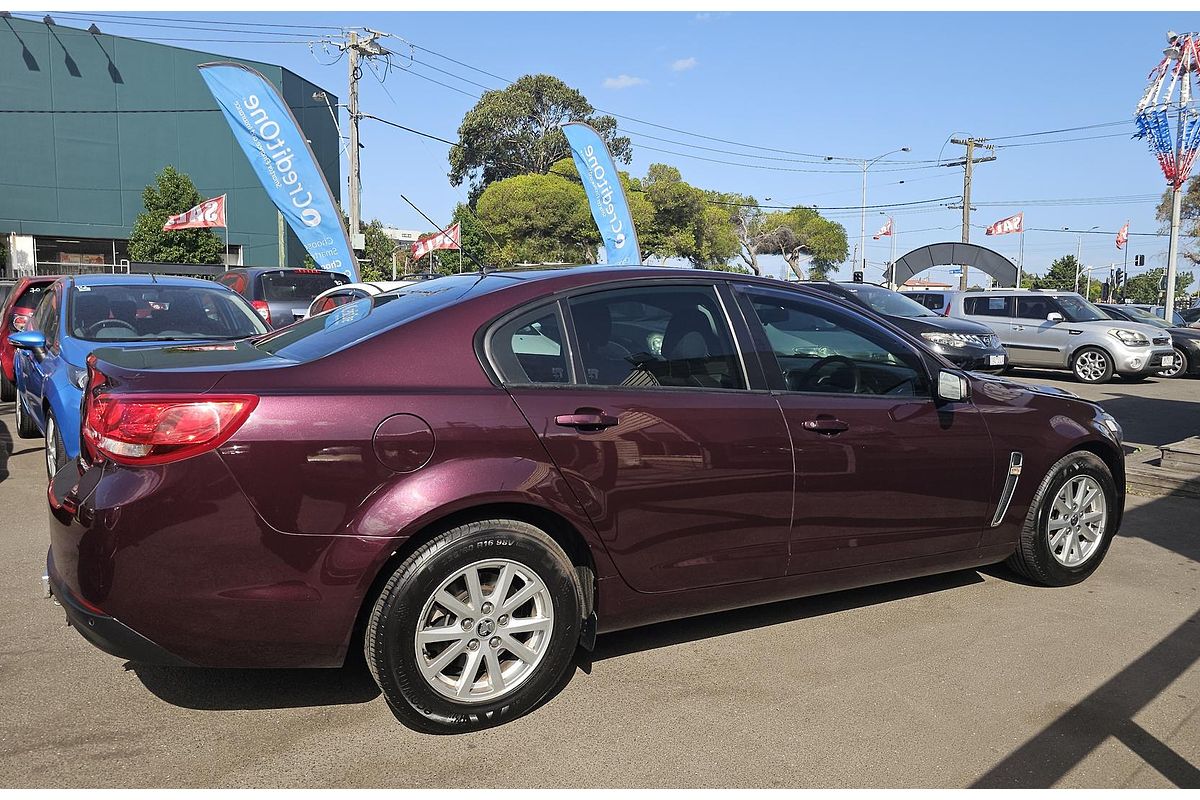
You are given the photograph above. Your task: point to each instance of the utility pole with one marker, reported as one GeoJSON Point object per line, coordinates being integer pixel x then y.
{"type": "Point", "coordinates": [971, 142]}
{"type": "Point", "coordinates": [355, 48]}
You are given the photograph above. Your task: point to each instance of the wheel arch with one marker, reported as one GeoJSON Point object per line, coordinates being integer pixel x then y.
{"type": "Point", "coordinates": [558, 527]}
{"type": "Point", "coordinates": [1114, 460]}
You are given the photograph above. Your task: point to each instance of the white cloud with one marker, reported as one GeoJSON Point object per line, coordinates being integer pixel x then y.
{"type": "Point", "coordinates": [708, 16]}
{"type": "Point", "coordinates": [623, 81]}
{"type": "Point", "coordinates": [683, 64]}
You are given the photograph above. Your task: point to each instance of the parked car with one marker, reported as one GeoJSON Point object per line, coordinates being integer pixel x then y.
{"type": "Point", "coordinates": [968, 345]}
{"type": "Point", "coordinates": [1061, 330]}
{"type": "Point", "coordinates": [6, 287]}
{"type": "Point", "coordinates": [937, 300]}
{"type": "Point", "coordinates": [1178, 320]}
{"type": "Point", "coordinates": [14, 317]}
{"type": "Point", "coordinates": [78, 314]}
{"type": "Point", "coordinates": [349, 292]}
{"type": "Point", "coordinates": [1191, 315]}
{"type": "Point", "coordinates": [692, 442]}
{"type": "Point", "coordinates": [1185, 341]}
{"type": "Point", "coordinates": [280, 296]}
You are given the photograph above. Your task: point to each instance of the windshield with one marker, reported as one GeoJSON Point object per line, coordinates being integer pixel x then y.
{"type": "Point", "coordinates": [1146, 317]}
{"type": "Point", "coordinates": [159, 312]}
{"type": "Point", "coordinates": [1076, 309]}
{"type": "Point", "coordinates": [887, 302]}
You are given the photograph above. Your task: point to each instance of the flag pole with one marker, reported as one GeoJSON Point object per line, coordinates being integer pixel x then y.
{"type": "Point", "coordinates": [225, 203]}
{"type": "Point", "coordinates": [1021, 256]}
{"type": "Point", "coordinates": [892, 263]}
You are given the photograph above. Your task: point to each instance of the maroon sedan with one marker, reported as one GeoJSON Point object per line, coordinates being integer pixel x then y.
{"type": "Point", "coordinates": [470, 477]}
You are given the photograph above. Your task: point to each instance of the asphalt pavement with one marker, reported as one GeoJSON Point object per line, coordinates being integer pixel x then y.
{"type": "Point", "coordinates": [968, 679]}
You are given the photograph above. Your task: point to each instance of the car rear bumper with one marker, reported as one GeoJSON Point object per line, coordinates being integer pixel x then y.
{"type": "Point", "coordinates": [201, 578]}
{"type": "Point", "coordinates": [107, 633]}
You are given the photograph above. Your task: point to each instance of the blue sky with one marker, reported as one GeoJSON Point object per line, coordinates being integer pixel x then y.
{"type": "Point", "coordinates": [842, 84]}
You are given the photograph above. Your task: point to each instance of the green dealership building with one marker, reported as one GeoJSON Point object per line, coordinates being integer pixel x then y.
{"type": "Point", "coordinates": [87, 120]}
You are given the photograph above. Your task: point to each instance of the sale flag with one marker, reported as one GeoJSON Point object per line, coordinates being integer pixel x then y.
{"type": "Point", "coordinates": [209, 214]}
{"type": "Point", "coordinates": [886, 230]}
{"type": "Point", "coordinates": [1013, 224]}
{"type": "Point", "coordinates": [446, 240]}
{"type": "Point", "coordinates": [1123, 236]}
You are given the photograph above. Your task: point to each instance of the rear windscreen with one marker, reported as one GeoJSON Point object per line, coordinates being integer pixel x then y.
{"type": "Point", "coordinates": [354, 322]}
{"type": "Point", "coordinates": [300, 287]}
{"type": "Point", "coordinates": [141, 312]}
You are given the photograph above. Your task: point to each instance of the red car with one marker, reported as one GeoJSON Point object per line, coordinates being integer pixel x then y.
{"type": "Point", "coordinates": [468, 478]}
{"type": "Point", "coordinates": [18, 308]}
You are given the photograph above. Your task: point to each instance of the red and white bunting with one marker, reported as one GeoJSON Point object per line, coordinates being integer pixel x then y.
{"type": "Point", "coordinates": [209, 214]}
{"type": "Point", "coordinates": [447, 240]}
{"type": "Point", "coordinates": [886, 230]}
{"type": "Point", "coordinates": [1013, 224]}
{"type": "Point", "coordinates": [1123, 236]}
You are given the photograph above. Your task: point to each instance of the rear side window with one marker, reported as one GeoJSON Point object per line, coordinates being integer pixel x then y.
{"type": "Point", "coordinates": [32, 295]}
{"type": "Point", "coordinates": [988, 306]}
{"type": "Point", "coordinates": [530, 349]}
{"type": "Point", "coordinates": [287, 286]}
{"type": "Point", "coordinates": [656, 337]}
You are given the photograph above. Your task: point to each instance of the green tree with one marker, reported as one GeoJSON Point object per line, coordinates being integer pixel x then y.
{"type": "Point", "coordinates": [802, 232]}
{"type": "Point", "coordinates": [376, 263]}
{"type": "Point", "coordinates": [1189, 219]}
{"type": "Point", "coordinates": [1061, 275]}
{"type": "Point", "coordinates": [538, 218]}
{"type": "Point", "coordinates": [686, 221]}
{"type": "Point", "coordinates": [172, 193]}
{"type": "Point", "coordinates": [1144, 288]}
{"type": "Point", "coordinates": [517, 130]}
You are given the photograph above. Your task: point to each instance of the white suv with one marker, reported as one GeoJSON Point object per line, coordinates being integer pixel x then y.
{"type": "Point", "coordinates": [1061, 330]}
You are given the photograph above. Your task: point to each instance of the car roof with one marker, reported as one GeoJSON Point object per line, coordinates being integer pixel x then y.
{"type": "Point", "coordinates": [140, 280]}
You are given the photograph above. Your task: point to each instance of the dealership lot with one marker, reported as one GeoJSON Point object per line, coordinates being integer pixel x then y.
{"type": "Point", "coordinates": [971, 678]}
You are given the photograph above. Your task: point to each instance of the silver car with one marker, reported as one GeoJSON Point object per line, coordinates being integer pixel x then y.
{"type": "Point", "coordinates": [1061, 330]}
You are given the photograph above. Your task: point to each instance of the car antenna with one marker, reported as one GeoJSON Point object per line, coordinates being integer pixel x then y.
{"type": "Point", "coordinates": [461, 249]}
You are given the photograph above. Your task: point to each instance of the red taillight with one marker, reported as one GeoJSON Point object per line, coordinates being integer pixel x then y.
{"type": "Point", "coordinates": [263, 310]}
{"type": "Point", "coordinates": [144, 430]}
{"type": "Point", "coordinates": [20, 322]}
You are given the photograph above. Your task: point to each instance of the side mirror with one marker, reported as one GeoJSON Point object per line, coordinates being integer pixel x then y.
{"type": "Point", "coordinates": [34, 341]}
{"type": "Point", "coordinates": [1054, 316]}
{"type": "Point", "coordinates": [952, 387]}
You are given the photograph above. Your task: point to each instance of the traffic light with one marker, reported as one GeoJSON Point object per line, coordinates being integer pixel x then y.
{"type": "Point", "coordinates": [1105, 292]}
{"type": "Point", "coordinates": [1139, 261]}
{"type": "Point", "coordinates": [1120, 281]}
{"type": "Point", "coordinates": [858, 276]}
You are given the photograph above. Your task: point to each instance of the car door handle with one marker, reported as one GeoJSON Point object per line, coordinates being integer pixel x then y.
{"type": "Point", "coordinates": [586, 418]}
{"type": "Point", "coordinates": [825, 425]}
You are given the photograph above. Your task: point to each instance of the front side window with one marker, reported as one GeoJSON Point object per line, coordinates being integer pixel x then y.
{"type": "Point", "coordinates": [298, 285]}
{"type": "Point", "coordinates": [652, 337]}
{"type": "Point", "coordinates": [45, 319]}
{"type": "Point", "coordinates": [988, 306]}
{"type": "Point", "coordinates": [824, 350]}
{"type": "Point", "coordinates": [1076, 309]}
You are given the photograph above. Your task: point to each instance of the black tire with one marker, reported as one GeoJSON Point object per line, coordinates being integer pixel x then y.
{"type": "Point", "coordinates": [54, 445]}
{"type": "Point", "coordinates": [388, 643]}
{"type": "Point", "coordinates": [8, 392]}
{"type": "Point", "coordinates": [1085, 357]}
{"type": "Point", "coordinates": [1033, 558]}
{"type": "Point", "coordinates": [26, 426]}
{"type": "Point", "coordinates": [1181, 366]}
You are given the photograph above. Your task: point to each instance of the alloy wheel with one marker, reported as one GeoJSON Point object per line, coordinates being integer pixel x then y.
{"type": "Point", "coordinates": [1078, 517]}
{"type": "Point", "coordinates": [51, 451]}
{"type": "Point", "coordinates": [1091, 365]}
{"type": "Point", "coordinates": [484, 631]}
{"type": "Point", "coordinates": [1176, 366]}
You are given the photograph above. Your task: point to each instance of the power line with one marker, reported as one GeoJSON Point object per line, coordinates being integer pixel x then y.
{"type": "Point", "coordinates": [200, 21]}
{"type": "Point", "coordinates": [837, 208]}
{"type": "Point", "coordinates": [1060, 130]}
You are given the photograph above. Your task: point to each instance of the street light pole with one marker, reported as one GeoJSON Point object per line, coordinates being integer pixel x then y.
{"type": "Point", "coordinates": [865, 164]}
{"type": "Point", "coordinates": [1079, 254]}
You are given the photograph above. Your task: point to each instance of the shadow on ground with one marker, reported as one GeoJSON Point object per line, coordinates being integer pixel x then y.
{"type": "Point", "coordinates": [257, 689]}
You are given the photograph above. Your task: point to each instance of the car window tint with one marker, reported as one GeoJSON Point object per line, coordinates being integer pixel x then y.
{"type": "Point", "coordinates": [529, 349]}
{"type": "Point", "coordinates": [652, 337]}
{"type": "Point", "coordinates": [823, 350]}
{"type": "Point", "coordinates": [298, 286]}
{"type": "Point", "coordinates": [930, 301]}
{"type": "Point", "coordinates": [32, 295]}
{"type": "Point", "coordinates": [988, 306]}
{"type": "Point", "coordinates": [45, 318]}
{"type": "Point", "coordinates": [1034, 307]}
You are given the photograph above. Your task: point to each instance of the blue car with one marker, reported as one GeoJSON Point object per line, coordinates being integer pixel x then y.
{"type": "Point", "coordinates": [79, 314]}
